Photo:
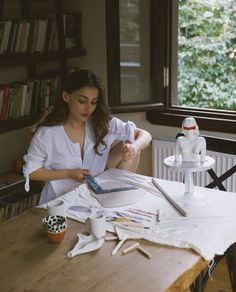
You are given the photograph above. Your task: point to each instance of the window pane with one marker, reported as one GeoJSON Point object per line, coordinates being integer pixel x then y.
{"type": "Point", "coordinates": [134, 51]}
{"type": "Point", "coordinates": [207, 54]}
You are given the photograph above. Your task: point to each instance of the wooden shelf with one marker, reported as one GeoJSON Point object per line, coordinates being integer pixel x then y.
{"type": "Point", "coordinates": [22, 59]}
{"type": "Point", "coordinates": [20, 186]}
{"type": "Point", "coordinates": [30, 61]}
{"type": "Point", "coordinates": [12, 189]}
{"type": "Point", "coordinates": [18, 123]}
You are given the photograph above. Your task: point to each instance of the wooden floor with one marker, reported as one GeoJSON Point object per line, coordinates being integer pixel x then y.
{"type": "Point", "coordinates": [220, 280]}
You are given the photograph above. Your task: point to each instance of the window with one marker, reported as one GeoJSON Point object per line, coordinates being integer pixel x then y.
{"type": "Point", "coordinates": [207, 54]}
{"type": "Point", "coordinates": [134, 51]}
{"type": "Point", "coordinates": [130, 58]}
{"type": "Point", "coordinates": [189, 64]}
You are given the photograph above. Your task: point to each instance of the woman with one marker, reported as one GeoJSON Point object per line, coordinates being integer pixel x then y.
{"type": "Point", "coordinates": [75, 139]}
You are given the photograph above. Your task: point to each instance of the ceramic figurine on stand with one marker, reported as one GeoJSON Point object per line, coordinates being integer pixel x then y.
{"type": "Point", "coordinates": [190, 154]}
{"type": "Point", "coordinates": [190, 147]}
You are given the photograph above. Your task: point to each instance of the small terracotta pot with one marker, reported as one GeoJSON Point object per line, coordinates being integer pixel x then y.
{"type": "Point", "coordinates": [56, 237]}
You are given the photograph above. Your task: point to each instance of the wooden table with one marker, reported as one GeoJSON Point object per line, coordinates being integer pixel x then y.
{"type": "Point", "coordinates": [28, 262]}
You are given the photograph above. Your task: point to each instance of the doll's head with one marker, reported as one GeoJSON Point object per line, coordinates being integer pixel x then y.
{"type": "Point", "coordinates": [190, 127]}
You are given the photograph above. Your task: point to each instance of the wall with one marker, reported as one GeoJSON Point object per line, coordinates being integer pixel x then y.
{"type": "Point", "coordinates": [94, 40]}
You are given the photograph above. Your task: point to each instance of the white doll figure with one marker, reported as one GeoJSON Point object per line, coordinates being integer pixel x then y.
{"type": "Point", "coordinates": [190, 147]}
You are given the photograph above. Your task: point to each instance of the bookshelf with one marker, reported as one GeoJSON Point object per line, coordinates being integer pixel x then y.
{"type": "Point", "coordinates": [14, 200]}
{"type": "Point", "coordinates": [31, 41]}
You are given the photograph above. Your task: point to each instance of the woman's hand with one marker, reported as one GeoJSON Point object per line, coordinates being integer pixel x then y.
{"type": "Point", "coordinates": [78, 174]}
{"type": "Point", "coordinates": [130, 151]}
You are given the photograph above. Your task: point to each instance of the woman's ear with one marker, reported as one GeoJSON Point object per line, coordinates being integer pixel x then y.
{"type": "Point", "coordinates": [65, 96]}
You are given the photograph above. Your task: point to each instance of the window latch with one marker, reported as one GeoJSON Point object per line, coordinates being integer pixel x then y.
{"type": "Point", "coordinates": [166, 76]}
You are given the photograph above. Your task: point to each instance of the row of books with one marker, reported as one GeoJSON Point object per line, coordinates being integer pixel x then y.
{"type": "Point", "coordinates": [39, 35]}
{"type": "Point", "coordinates": [28, 97]}
{"type": "Point", "coordinates": [35, 36]}
{"type": "Point", "coordinates": [17, 203]}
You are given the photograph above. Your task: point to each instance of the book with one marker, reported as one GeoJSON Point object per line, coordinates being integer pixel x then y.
{"type": "Point", "coordinates": [34, 36]}
{"type": "Point", "coordinates": [15, 38]}
{"type": "Point", "coordinates": [5, 36]}
{"type": "Point", "coordinates": [30, 37]}
{"type": "Point", "coordinates": [2, 24]}
{"type": "Point", "coordinates": [2, 212]}
{"type": "Point", "coordinates": [101, 190]}
{"type": "Point", "coordinates": [11, 205]}
{"type": "Point", "coordinates": [24, 201]}
{"type": "Point", "coordinates": [24, 37]}
{"type": "Point", "coordinates": [52, 37]}
{"type": "Point", "coordinates": [16, 98]}
{"type": "Point", "coordinates": [5, 208]}
{"type": "Point", "coordinates": [112, 193]}
{"type": "Point", "coordinates": [12, 36]}
{"type": "Point", "coordinates": [30, 86]}
{"type": "Point", "coordinates": [9, 101]}
{"type": "Point", "coordinates": [55, 88]}
{"type": "Point", "coordinates": [41, 35]}
{"type": "Point", "coordinates": [46, 94]}
{"type": "Point", "coordinates": [1, 100]}
{"type": "Point", "coordinates": [3, 106]}
{"type": "Point", "coordinates": [18, 37]}
{"type": "Point", "coordinates": [23, 99]}
{"type": "Point", "coordinates": [35, 96]}
{"type": "Point", "coordinates": [48, 34]}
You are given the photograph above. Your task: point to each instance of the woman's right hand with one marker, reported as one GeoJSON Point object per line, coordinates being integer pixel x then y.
{"type": "Point", "coordinates": [78, 174]}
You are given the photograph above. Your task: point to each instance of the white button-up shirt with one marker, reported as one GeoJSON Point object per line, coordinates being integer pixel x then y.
{"type": "Point", "coordinates": [51, 148]}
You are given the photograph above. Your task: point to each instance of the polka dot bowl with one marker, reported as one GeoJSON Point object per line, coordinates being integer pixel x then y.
{"type": "Point", "coordinates": [55, 227]}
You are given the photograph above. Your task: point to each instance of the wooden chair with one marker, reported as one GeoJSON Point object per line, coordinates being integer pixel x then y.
{"type": "Point", "coordinates": [224, 146]}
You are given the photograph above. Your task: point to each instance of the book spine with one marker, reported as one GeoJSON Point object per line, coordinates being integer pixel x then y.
{"type": "Point", "coordinates": [3, 110]}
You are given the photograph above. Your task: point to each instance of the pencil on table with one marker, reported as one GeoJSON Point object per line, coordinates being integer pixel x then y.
{"type": "Point", "coordinates": [144, 252]}
{"type": "Point", "coordinates": [130, 248]}
{"type": "Point", "coordinates": [145, 212]}
{"type": "Point", "coordinates": [169, 199]}
{"type": "Point", "coordinates": [111, 238]}
{"type": "Point", "coordinates": [118, 246]}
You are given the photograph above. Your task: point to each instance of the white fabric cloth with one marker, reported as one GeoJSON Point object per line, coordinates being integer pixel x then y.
{"type": "Point", "coordinates": [209, 228]}
{"type": "Point", "coordinates": [86, 243]}
{"type": "Point", "coordinates": [51, 148]}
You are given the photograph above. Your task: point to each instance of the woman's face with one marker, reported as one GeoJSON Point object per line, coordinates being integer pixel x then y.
{"type": "Point", "coordinates": [82, 103]}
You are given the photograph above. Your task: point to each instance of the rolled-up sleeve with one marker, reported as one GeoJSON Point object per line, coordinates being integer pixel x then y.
{"type": "Point", "coordinates": [122, 130]}
{"type": "Point", "coordinates": [35, 158]}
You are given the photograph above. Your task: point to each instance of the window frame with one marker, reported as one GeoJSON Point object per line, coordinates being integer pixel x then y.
{"type": "Point", "coordinates": [163, 54]}
{"type": "Point", "coordinates": [208, 119]}
{"type": "Point", "coordinates": [113, 60]}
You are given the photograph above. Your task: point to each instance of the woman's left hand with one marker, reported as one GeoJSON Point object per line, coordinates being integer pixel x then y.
{"type": "Point", "coordinates": [129, 151]}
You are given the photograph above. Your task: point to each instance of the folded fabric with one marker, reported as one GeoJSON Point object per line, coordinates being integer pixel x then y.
{"type": "Point", "coordinates": [86, 243]}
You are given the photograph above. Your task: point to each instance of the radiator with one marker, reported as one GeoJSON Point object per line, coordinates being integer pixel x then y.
{"type": "Point", "coordinates": [164, 148]}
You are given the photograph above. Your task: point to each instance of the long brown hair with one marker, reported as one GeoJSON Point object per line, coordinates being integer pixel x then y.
{"type": "Point", "coordinates": [99, 118]}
